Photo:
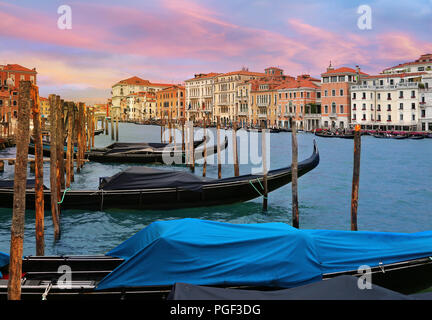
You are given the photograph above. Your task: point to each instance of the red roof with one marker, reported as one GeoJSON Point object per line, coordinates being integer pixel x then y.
{"type": "Point", "coordinates": [395, 75]}
{"type": "Point", "coordinates": [138, 81]}
{"type": "Point", "coordinates": [342, 70]}
{"type": "Point", "coordinates": [425, 58]}
{"type": "Point", "coordinates": [16, 67]}
{"type": "Point", "coordinates": [299, 83]}
{"type": "Point", "coordinates": [244, 73]}
{"type": "Point", "coordinates": [203, 76]}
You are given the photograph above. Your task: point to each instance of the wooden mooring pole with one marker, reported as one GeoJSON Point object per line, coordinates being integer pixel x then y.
{"type": "Point", "coordinates": [205, 148]}
{"type": "Point", "coordinates": [264, 160]}
{"type": "Point", "coordinates": [20, 185]}
{"type": "Point", "coordinates": [235, 154]}
{"type": "Point", "coordinates": [356, 178]}
{"type": "Point", "coordinates": [53, 165]}
{"type": "Point", "coordinates": [218, 148]}
{"type": "Point", "coordinates": [69, 152]}
{"type": "Point", "coordinates": [38, 164]}
{"type": "Point", "coordinates": [294, 176]}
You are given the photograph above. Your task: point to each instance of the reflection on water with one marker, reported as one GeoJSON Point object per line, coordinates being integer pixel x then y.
{"type": "Point", "coordinates": [395, 193]}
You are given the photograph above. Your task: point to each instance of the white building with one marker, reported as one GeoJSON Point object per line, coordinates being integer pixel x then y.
{"type": "Point", "coordinates": [122, 89]}
{"type": "Point", "coordinates": [426, 103]}
{"type": "Point", "coordinates": [422, 64]}
{"type": "Point", "coordinates": [387, 101]}
{"type": "Point", "coordinates": [199, 96]}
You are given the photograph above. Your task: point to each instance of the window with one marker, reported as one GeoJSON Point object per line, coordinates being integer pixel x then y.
{"type": "Point", "coordinates": [354, 107]}
{"type": "Point", "coordinates": [354, 117]}
{"type": "Point", "coordinates": [413, 106]}
{"type": "Point", "coordinates": [341, 92]}
{"type": "Point", "coordinates": [389, 118]}
{"type": "Point", "coordinates": [333, 93]}
{"type": "Point", "coordinates": [401, 106]}
{"type": "Point", "coordinates": [364, 106]}
{"type": "Point", "coordinates": [423, 112]}
{"type": "Point", "coordinates": [413, 117]}
{"type": "Point", "coordinates": [389, 107]}
{"type": "Point", "coordinates": [379, 117]}
{"type": "Point", "coordinates": [364, 117]}
{"type": "Point", "coordinates": [379, 107]}
{"type": "Point", "coordinates": [401, 117]}
{"type": "Point", "coordinates": [363, 95]}
{"type": "Point", "coordinates": [400, 94]}
{"type": "Point", "coordinates": [379, 96]}
{"type": "Point", "coordinates": [325, 109]}
{"type": "Point", "coordinates": [389, 96]}
{"type": "Point", "coordinates": [354, 95]}
{"type": "Point", "coordinates": [413, 95]}
{"type": "Point", "coordinates": [325, 93]}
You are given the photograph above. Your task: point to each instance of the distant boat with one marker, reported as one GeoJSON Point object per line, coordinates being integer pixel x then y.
{"type": "Point", "coordinates": [328, 135]}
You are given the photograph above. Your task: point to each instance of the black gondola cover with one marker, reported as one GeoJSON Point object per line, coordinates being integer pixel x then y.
{"type": "Point", "coordinates": [339, 288]}
{"type": "Point", "coordinates": [135, 178]}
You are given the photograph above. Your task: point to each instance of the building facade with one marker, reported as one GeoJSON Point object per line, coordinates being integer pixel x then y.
{"type": "Point", "coordinates": [171, 103]}
{"type": "Point", "coordinates": [199, 100]}
{"type": "Point", "coordinates": [124, 88]}
{"type": "Point", "coordinates": [225, 92]}
{"type": "Point", "coordinates": [387, 101]}
{"type": "Point", "coordinates": [336, 97]}
{"type": "Point", "coordinates": [426, 103]}
{"type": "Point", "coordinates": [10, 77]}
{"type": "Point", "coordinates": [422, 64]}
{"type": "Point", "coordinates": [300, 100]}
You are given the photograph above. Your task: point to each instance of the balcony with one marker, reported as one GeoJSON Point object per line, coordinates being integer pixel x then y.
{"type": "Point", "coordinates": [333, 115]}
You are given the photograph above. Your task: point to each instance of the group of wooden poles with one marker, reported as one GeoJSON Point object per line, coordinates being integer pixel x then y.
{"type": "Point", "coordinates": [68, 120]}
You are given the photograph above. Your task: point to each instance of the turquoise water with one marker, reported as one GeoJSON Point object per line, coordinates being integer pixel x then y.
{"type": "Point", "coordinates": [395, 193]}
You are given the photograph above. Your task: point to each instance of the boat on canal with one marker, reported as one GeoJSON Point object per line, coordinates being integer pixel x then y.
{"type": "Point", "coordinates": [144, 188]}
{"type": "Point", "coordinates": [335, 135]}
{"type": "Point", "coordinates": [149, 152]}
{"type": "Point", "coordinates": [263, 256]}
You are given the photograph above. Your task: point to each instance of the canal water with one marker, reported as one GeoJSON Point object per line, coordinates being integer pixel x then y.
{"type": "Point", "coordinates": [395, 193]}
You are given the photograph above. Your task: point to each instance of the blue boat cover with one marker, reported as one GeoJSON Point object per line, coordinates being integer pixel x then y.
{"type": "Point", "coordinates": [4, 260]}
{"type": "Point", "coordinates": [270, 254]}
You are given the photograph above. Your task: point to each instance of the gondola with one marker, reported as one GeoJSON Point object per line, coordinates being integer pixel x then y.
{"type": "Point", "coordinates": [143, 188]}
{"type": "Point", "coordinates": [264, 256]}
{"type": "Point", "coordinates": [148, 152]}
{"type": "Point", "coordinates": [416, 137]}
{"type": "Point", "coordinates": [327, 135]}
{"type": "Point", "coordinates": [125, 146]}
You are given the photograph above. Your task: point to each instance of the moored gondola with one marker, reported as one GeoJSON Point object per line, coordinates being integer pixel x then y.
{"type": "Point", "coordinates": [330, 135]}
{"type": "Point", "coordinates": [155, 189]}
{"type": "Point", "coordinates": [265, 256]}
{"type": "Point", "coordinates": [149, 152]}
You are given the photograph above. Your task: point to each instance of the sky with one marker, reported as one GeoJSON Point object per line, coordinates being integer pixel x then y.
{"type": "Point", "coordinates": [169, 41]}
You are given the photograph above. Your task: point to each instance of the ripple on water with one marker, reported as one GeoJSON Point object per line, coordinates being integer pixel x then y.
{"type": "Point", "coordinates": [395, 193]}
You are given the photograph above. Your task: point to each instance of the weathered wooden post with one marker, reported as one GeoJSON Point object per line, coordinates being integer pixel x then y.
{"type": "Point", "coordinates": [294, 176]}
{"type": "Point", "coordinates": [356, 178]}
{"type": "Point", "coordinates": [218, 147]}
{"type": "Point", "coordinates": [60, 144]}
{"type": "Point", "coordinates": [112, 124]}
{"type": "Point", "coordinates": [205, 148]}
{"type": "Point", "coordinates": [69, 150]}
{"type": "Point", "coordinates": [192, 148]}
{"type": "Point", "coordinates": [53, 165]}
{"type": "Point", "coordinates": [183, 135]}
{"type": "Point", "coordinates": [94, 124]}
{"type": "Point", "coordinates": [38, 164]}
{"type": "Point", "coordinates": [106, 126]}
{"type": "Point", "coordinates": [117, 127]}
{"type": "Point", "coordinates": [235, 155]}
{"type": "Point", "coordinates": [20, 185]}
{"type": "Point", "coordinates": [264, 160]}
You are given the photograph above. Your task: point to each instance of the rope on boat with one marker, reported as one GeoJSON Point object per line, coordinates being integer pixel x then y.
{"type": "Point", "coordinates": [64, 193]}
{"type": "Point", "coordinates": [250, 181]}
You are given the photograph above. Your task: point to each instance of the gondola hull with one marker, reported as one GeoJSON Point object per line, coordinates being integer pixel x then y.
{"type": "Point", "coordinates": [218, 192]}
{"type": "Point", "coordinates": [405, 277]}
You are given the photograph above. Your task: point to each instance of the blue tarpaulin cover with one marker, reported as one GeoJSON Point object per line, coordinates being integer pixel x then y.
{"type": "Point", "coordinates": [4, 260]}
{"type": "Point", "coordinates": [268, 254]}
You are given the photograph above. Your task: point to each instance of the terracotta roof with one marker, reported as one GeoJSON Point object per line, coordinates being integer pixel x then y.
{"type": "Point", "coordinates": [298, 84]}
{"type": "Point", "coordinates": [138, 81]}
{"type": "Point", "coordinates": [203, 76]}
{"type": "Point", "coordinates": [342, 70]}
{"type": "Point", "coordinates": [16, 67]}
{"type": "Point", "coordinates": [243, 72]}
{"type": "Point", "coordinates": [395, 75]}
{"type": "Point", "coordinates": [418, 61]}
